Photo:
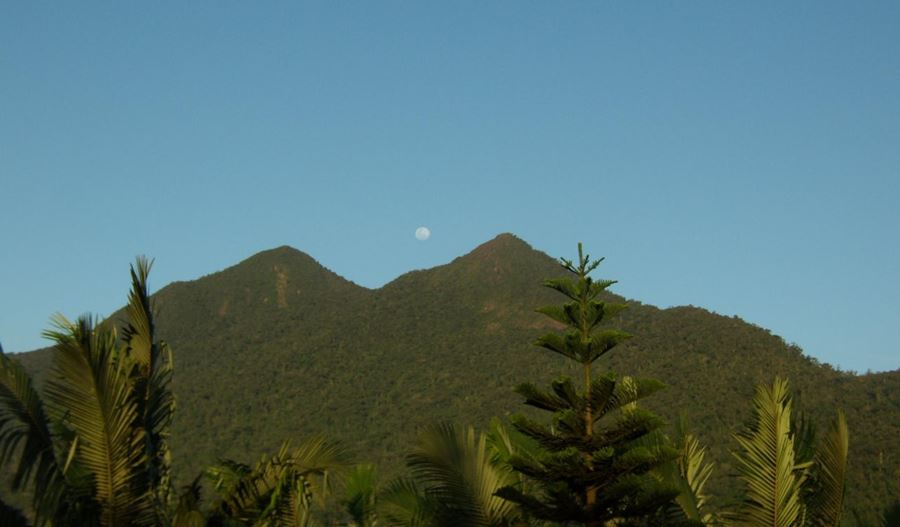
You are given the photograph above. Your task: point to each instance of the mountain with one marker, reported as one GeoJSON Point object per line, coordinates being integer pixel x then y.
{"type": "Point", "coordinates": [279, 347]}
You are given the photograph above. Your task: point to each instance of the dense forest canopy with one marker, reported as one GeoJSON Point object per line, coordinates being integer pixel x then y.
{"type": "Point", "coordinates": [279, 347]}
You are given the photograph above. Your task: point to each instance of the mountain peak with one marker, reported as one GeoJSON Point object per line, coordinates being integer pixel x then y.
{"type": "Point", "coordinates": [283, 250]}
{"type": "Point", "coordinates": [501, 245]}
{"type": "Point", "coordinates": [507, 238]}
{"type": "Point", "coordinates": [504, 257]}
{"type": "Point", "coordinates": [287, 271]}
{"type": "Point", "coordinates": [284, 255]}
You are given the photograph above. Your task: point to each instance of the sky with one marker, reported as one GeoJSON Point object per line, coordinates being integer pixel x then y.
{"type": "Point", "coordinates": [743, 157]}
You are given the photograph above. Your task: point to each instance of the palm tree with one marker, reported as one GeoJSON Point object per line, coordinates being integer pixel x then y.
{"type": "Point", "coordinates": [361, 491]}
{"type": "Point", "coordinates": [280, 490]}
{"type": "Point", "coordinates": [94, 449]}
{"type": "Point", "coordinates": [689, 473]}
{"type": "Point", "coordinates": [784, 488]}
{"type": "Point", "coordinates": [789, 482]}
{"type": "Point", "coordinates": [454, 482]}
{"type": "Point", "coordinates": [829, 473]}
{"type": "Point", "coordinates": [25, 433]}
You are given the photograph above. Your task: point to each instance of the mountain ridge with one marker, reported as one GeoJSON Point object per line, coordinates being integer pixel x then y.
{"type": "Point", "coordinates": [278, 346]}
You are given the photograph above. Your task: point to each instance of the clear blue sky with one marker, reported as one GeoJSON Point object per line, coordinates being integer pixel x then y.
{"type": "Point", "coordinates": [739, 156]}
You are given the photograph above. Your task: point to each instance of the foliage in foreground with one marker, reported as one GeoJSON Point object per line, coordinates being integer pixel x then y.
{"type": "Point", "coordinates": [595, 464]}
{"type": "Point", "coordinates": [455, 476]}
{"type": "Point", "coordinates": [788, 481]}
{"type": "Point", "coordinates": [282, 489]}
{"type": "Point", "coordinates": [446, 345]}
{"type": "Point", "coordinates": [93, 449]}
{"type": "Point", "coordinates": [109, 397]}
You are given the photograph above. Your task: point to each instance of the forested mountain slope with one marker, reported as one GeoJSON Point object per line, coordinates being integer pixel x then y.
{"type": "Point", "coordinates": [279, 347]}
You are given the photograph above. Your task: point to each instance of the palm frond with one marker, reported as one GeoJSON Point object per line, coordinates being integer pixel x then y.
{"type": "Point", "coordinates": [693, 471]}
{"type": "Point", "coordinates": [361, 491]}
{"type": "Point", "coordinates": [403, 503]}
{"type": "Point", "coordinates": [803, 430]}
{"type": "Point", "coordinates": [93, 393]}
{"type": "Point", "coordinates": [280, 488]}
{"type": "Point", "coordinates": [25, 435]}
{"type": "Point", "coordinates": [455, 468]}
{"type": "Point", "coordinates": [830, 469]}
{"type": "Point", "coordinates": [244, 491]}
{"type": "Point", "coordinates": [289, 502]}
{"type": "Point", "coordinates": [766, 462]}
{"type": "Point", "coordinates": [151, 370]}
{"type": "Point", "coordinates": [318, 455]}
{"type": "Point", "coordinates": [138, 334]}
{"type": "Point", "coordinates": [505, 442]}
{"type": "Point", "coordinates": [187, 512]}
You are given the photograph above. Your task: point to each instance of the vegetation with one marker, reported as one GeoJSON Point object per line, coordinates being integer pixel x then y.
{"type": "Point", "coordinates": [283, 489]}
{"type": "Point", "coordinates": [588, 472]}
{"type": "Point", "coordinates": [689, 473]}
{"type": "Point", "coordinates": [786, 483]}
{"type": "Point", "coordinates": [455, 480]}
{"type": "Point", "coordinates": [93, 449]}
{"type": "Point", "coordinates": [266, 351]}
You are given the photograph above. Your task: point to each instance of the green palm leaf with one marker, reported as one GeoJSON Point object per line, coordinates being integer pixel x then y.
{"type": "Point", "coordinates": [456, 470]}
{"type": "Point", "coordinates": [766, 462]}
{"type": "Point", "coordinates": [25, 435]}
{"type": "Point", "coordinates": [187, 511]}
{"type": "Point", "coordinates": [831, 468]}
{"type": "Point", "coordinates": [92, 392]}
{"type": "Point", "coordinates": [404, 504]}
{"type": "Point", "coordinates": [151, 373]}
{"type": "Point", "coordinates": [151, 360]}
{"type": "Point", "coordinates": [689, 473]}
{"type": "Point", "coordinates": [98, 453]}
{"type": "Point", "coordinates": [361, 491]}
{"type": "Point", "coordinates": [279, 489]}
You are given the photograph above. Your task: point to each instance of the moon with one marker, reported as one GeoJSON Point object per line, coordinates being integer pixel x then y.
{"type": "Point", "coordinates": [423, 233]}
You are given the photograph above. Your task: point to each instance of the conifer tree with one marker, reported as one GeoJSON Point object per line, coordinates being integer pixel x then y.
{"type": "Point", "coordinates": [598, 451]}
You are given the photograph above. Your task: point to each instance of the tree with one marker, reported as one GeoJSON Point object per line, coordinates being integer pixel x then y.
{"type": "Point", "coordinates": [281, 489]}
{"type": "Point", "coordinates": [788, 481]}
{"type": "Point", "coordinates": [361, 496]}
{"type": "Point", "coordinates": [594, 466]}
{"type": "Point", "coordinates": [689, 473]}
{"type": "Point", "coordinates": [455, 477]}
{"type": "Point", "coordinates": [94, 449]}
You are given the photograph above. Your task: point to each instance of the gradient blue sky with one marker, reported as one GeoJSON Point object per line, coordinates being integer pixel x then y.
{"type": "Point", "coordinates": [739, 156]}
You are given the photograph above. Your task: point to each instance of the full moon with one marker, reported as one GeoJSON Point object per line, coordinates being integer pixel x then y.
{"type": "Point", "coordinates": [422, 233]}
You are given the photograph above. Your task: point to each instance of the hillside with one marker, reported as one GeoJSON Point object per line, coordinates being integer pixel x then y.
{"type": "Point", "coordinates": [279, 347]}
